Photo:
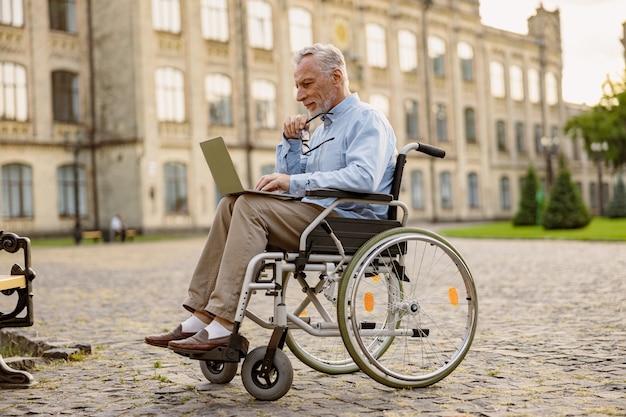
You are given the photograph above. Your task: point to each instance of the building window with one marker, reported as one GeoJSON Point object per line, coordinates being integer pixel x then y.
{"type": "Point", "coordinates": [214, 17]}
{"type": "Point", "coordinates": [13, 94]}
{"type": "Point", "coordinates": [412, 119]}
{"type": "Point", "coordinates": [537, 133]}
{"type": "Point", "coordinates": [218, 91]}
{"type": "Point", "coordinates": [17, 191]}
{"type": "Point", "coordinates": [380, 102]}
{"type": "Point", "coordinates": [65, 97]}
{"type": "Point", "coordinates": [497, 79]}
{"type": "Point", "coordinates": [166, 15]}
{"type": "Point", "coordinates": [175, 188]}
{"type": "Point", "coordinates": [445, 190]}
{"type": "Point", "coordinates": [12, 13]}
{"type": "Point", "coordinates": [264, 96]}
{"type": "Point", "coordinates": [260, 29]}
{"type": "Point", "coordinates": [470, 125]}
{"type": "Point", "coordinates": [442, 123]}
{"type": "Point", "coordinates": [517, 83]}
{"type": "Point", "coordinates": [533, 86]}
{"type": "Point", "coordinates": [62, 15]}
{"type": "Point", "coordinates": [501, 135]}
{"type": "Point", "coordinates": [552, 91]}
{"type": "Point", "coordinates": [437, 54]}
{"type": "Point", "coordinates": [519, 137]}
{"type": "Point", "coordinates": [466, 60]}
{"type": "Point", "coordinates": [472, 190]}
{"type": "Point", "coordinates": [66, 189]}
{"type": "Point", "coordinates": [505, 193]}
{"type": "Point", "coordinates": [376, 45]}
{"type": "Point", "coordinates": [170, 95]}
{"type": "Point", "coordinates": [417, 190]}
{"type": "Point", "coordinates": [300, 28]}
{"type": "Point", "coordinates": [407, 51]}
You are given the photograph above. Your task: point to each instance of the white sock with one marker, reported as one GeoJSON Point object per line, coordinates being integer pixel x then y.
{"type": "Point", "coordinates": [217, 330]}
{"type": "Point", "coordinates": [193, 324]}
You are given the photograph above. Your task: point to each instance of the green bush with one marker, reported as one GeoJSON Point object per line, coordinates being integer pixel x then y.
{"type": "Point", "coordinates": [565, 209]}
{"type": "Point", "coordinates": [528, 206]}
{"type": "Point", "coordinates": [617, 206]}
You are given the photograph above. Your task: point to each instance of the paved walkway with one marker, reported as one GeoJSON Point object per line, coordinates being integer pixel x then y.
{"type": "Point", "coordinates": [550, 341]}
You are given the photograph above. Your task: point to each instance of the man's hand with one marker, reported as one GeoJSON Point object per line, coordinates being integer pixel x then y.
{"type": "Point", "coordinates": [293, 125]}
{"type": "Point", "coordinates": [273, 182]}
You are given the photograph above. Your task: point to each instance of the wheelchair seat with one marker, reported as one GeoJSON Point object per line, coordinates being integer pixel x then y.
{"type": "Point", "coordinates": [353, 233]}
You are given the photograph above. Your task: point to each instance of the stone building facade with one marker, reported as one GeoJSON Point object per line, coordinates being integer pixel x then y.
{"type": "Point", "coordinates": [105, 103]}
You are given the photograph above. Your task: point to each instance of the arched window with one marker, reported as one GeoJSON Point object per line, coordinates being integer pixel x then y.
{"type": "Point", "coordinates": [13, 93]}
{"type": "Point", "coordinates": [170, 95]}
{"type": "Point", "coordinates": [260, 28]}
{"type": "Point", "coordinates": [264, 96]}
{"type": "Point", "coordinates": [67, 188]}
{"type": "Point", "coordinates": [218, 92]}
{"type": "Point", "coordinates": [407, 51]}
{"type": "Point", "coordinates": [300, 28]}
{"type": "Point", "coordinates": [214, 18]}
{"type": "Point", "coordinates": [376, 42]}
{"type": "Point", "coordinates": [175, 188]}
{"type": "Point", "coordinates": [17, 191]}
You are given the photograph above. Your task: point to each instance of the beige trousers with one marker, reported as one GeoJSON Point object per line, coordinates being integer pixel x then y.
{"type": "Point", "coordinates": [242, 228]}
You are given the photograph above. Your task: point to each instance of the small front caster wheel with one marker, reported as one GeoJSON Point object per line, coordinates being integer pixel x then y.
{"type": "Point", "coordinates": [270, 385]}
{"type": "Point", "coordinates": [217, 372]}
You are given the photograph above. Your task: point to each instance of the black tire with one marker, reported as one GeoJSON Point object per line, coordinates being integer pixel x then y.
{"type": "Point", "coordinates": [270, 388]}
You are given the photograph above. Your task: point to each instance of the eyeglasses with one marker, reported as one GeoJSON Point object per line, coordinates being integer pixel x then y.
{"type": "Point", "coordinates": [305, 135]}
{"type": "Point", "coordinates": [308, 151]}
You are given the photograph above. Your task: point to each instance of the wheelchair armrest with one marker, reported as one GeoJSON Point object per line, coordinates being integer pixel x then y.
{"type": "Point", "coordinates": [331, 192]}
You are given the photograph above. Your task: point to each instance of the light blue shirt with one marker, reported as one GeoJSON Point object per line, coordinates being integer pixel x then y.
{"type": "Point", "coordinates": [357, 152]}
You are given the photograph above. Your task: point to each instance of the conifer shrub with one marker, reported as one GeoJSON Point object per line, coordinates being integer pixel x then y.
{"type": "Point", "coordinates": [528, 207]}
{"type": "Point", "coordinates": [565, 208]}
{"type": "Point", "coordinates": [617, 206]}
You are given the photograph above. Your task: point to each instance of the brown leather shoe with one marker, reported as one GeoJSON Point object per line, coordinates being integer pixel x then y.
{"type": "Point", "coordinates": [198, 343]}
{"type": "Point", "coordinates": [163, 339]}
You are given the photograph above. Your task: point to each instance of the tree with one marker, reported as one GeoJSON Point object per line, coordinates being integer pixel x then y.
{"type": "Point", "coordinates": [604, 123]}
{"type": "Point", "coordinates": [529, 206]}
{"type": "Point", "coordinates": [565, 209]}
{"type": "Point", "coordinates": [617, 206]}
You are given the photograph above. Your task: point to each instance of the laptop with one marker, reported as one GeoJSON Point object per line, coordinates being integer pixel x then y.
{"type": "Point", "coordinates": [224, 172]}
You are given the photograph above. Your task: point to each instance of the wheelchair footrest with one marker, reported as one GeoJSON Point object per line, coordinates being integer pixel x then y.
{"type": "Point", "coordinates": [236, 350]}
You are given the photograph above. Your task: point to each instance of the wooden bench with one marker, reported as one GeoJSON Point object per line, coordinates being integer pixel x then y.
{"type": "Point", "coordinates": [95, 235]}
{"type": "Point", "coordinates": [18, 284]}
{"type": "Point", "coordinates": [131, 234]}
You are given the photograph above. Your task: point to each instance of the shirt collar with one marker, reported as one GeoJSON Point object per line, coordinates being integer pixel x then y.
{"type": "Point", "coordinates": [340, 108]}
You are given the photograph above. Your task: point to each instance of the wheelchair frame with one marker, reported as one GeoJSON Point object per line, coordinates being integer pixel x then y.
{"type": "Point", "coordinates": [433, 336]}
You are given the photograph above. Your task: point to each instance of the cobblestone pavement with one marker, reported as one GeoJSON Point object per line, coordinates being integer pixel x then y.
{"type": "Point", "coordinates": [550, 341]}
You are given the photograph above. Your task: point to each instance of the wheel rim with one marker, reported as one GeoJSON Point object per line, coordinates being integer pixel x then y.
{"type": "Point", "coordinates": [435, 308]}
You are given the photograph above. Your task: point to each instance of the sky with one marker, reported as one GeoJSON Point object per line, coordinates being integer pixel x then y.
{"type": "Point", "coordinates": [591, 31]}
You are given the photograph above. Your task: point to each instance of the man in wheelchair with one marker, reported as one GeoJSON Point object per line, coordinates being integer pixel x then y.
{"type": "Point", "coordinates": [353, 149]}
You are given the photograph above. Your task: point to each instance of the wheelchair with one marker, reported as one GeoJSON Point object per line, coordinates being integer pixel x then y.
{"type": "Point", "coordinates": [398, 303]}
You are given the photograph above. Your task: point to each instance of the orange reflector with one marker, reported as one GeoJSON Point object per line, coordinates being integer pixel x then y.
{"type": "Point", "coordinates": [376, 278]}
{"type": "Point", "coordinates": [303, 314]}
{"type": "Point", "coordinates": [368, 302]}
{"type": "Point", "coordinates": [453, 296]}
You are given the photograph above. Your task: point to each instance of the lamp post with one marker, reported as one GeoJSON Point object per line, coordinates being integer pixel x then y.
{"type": "Point", "coordinates": [550, 147]}
{"type": "Point", "coordinates": [598, 150]}
{"type": "Point", "coordinates": [75, 147]}
{"type": "Point", "coordinates": [426, 4]}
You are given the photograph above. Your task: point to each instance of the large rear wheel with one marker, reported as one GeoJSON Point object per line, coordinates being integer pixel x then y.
{"type": "Point", "coordinates": [410, 291]}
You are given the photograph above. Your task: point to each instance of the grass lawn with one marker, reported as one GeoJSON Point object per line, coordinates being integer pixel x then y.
{"type": "Point", "coordinates": [600, 228]}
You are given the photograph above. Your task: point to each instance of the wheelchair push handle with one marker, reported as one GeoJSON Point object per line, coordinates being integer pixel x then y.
{"type": "Point", "coordinates": [424, 148]}
{"type": "Point", "coordinates": [431, 150]}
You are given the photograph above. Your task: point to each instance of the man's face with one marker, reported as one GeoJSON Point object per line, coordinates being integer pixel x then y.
{"type": "Point", "coordinates": [316, 90]}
